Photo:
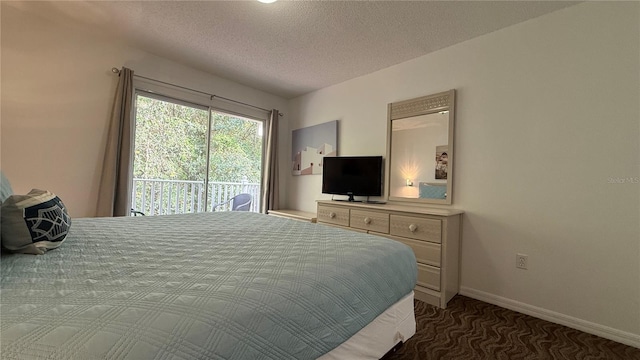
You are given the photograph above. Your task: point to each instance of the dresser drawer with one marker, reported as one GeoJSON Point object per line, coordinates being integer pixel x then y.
{"type": "Point", "coordinates": [429, 276]}
{"type": "Point", "coordinates": [426, 252]}
{"type": "Point", "coordinates": [370, 220]}
{"type": "Point", "coordinates": [416, 228]}
{"type": "Point", "coordinates": [333, 215]}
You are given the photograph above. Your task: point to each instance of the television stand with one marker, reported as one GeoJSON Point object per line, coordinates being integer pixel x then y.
{"type": "Point", "coordinates": [350, 199]}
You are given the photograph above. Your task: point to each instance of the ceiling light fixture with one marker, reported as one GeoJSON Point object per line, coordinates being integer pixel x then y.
{"type": "Point", "coordinates": [267, 1]}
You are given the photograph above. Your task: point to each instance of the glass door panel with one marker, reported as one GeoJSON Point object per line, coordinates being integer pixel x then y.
{"type": "Point", "coordinates": [170, 168]}
{"type": "Point", "coordinates": [235, 161]}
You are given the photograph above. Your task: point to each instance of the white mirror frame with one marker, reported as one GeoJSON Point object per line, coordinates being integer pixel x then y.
{"type": "Point", "coordinates": [444, 101]}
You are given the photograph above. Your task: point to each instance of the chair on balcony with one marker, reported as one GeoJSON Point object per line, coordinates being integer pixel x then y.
{"type": "Point", "coordinates": [240, 202]}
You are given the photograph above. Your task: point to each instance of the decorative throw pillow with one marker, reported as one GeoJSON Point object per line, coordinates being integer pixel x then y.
{"type": "Point", "coordinates": [34, 223]}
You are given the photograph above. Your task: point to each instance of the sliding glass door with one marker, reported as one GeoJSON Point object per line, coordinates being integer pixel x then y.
{"type": "Point", "coordinates": [189, 158]}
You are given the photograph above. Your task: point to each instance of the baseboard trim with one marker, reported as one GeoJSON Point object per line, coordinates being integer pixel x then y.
{"type": "Point", "coordinates": [606, 332]}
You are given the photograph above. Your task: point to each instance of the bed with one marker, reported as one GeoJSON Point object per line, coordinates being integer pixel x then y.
{"type": "Point", "coordinates": [432, 190]}
{"type": "Point", "coordinates": [225, 285]}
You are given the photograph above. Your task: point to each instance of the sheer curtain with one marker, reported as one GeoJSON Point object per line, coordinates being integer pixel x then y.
{"type": "Point", "coordinates": [114, 195]}
{"type": "Point", "coordinates": [270, 185]}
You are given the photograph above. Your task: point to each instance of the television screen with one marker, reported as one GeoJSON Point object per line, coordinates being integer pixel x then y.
{"type": "Point", "coordinates": [352, 175]}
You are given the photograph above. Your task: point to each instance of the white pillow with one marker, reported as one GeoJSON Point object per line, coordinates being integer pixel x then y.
{"type": "Point", "coordinates": [5, 188]}
{"type": "Point", "coordinates": [34, 223]}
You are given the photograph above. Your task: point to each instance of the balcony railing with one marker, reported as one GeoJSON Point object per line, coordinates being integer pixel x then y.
{"type": "Point", "coordinates": [162, 197]}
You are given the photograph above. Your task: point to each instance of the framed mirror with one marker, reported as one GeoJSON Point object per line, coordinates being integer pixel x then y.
{"type": "Point", "coordinates": [419, 166]}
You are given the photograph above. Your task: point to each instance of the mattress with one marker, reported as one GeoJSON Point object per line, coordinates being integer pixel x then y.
{"type": "Point", "coordinates": [228, 285]}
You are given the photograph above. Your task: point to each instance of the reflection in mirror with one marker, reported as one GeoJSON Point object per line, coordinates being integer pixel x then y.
{"type": "Point", "coordinates": [420, 149]}
{"type": "Point", "coordinates": [420, 156]}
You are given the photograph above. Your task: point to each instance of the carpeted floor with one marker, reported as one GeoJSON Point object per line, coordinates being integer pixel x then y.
{"type": "Point", "coordinates": [472, 329]}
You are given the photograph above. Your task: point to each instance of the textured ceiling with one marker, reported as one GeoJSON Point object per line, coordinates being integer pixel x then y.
{"type": "Point", "coordinates": [290, 48]}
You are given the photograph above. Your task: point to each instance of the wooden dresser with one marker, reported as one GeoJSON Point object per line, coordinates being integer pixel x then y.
{"type": "Point", "coordinates": [432, 233]}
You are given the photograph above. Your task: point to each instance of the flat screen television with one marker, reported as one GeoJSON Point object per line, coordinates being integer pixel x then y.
{"type": "Point", "coordinates": [352, 176]}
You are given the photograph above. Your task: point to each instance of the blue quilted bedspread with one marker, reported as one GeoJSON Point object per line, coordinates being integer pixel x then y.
{"type": "Point", "coordinates": [227, 285]}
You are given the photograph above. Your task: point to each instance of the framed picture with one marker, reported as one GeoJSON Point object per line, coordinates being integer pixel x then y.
{"type": "Point", "coordinates": [442, 161]}
{"type": "Point", "coordinates": [310, 145]}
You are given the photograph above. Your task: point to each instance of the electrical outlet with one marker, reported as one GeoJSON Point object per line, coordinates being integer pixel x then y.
{"type": "Point", "coordinates": [521, 261]}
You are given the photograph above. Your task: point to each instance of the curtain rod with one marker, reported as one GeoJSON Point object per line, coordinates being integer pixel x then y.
{"type": "Point", "coordinates": [117, 71]}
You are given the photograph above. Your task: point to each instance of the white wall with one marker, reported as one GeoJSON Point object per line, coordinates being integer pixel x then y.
{"type": "Point", "coordinates": [547, 113]}
{"type": "Point", "coordinates": [57, 94]}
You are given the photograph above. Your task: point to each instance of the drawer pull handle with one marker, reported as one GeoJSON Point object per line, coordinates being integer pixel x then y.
{"type": "Point", "coordinates": [413, 227]}
{"type": "Point", "coordinates": [332, 215]}
{"type": "Point", "coordinates": [367, 220]}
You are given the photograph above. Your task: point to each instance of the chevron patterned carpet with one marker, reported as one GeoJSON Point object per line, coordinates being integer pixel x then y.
{"type": "Point", "coordinates": [472, 329]}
